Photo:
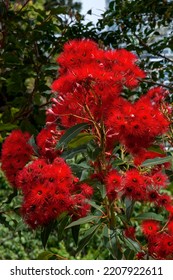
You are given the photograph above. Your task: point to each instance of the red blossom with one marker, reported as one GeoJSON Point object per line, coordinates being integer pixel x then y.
{"type": "Point", "coordinates": [48, 190]}
{"type": "Point", "coordinates": [150, 227]}
{"type": "Point", "coordinates": [130, 232]}
{"type": "Point", "coordinates": [160, 180]}
{"type": "Point", "coordinates": [153, 195]}
{"type": "Point", "coordinates": [134, 185]}
{"type": "Point", "coordinates": [113, 184]}
{"type": "Point", "coordinates": [140, 256]}
{"type": "Point", "coordinates": [16, 152]}
{"type": "Point", "coordinates": [164, 200]}
{"type": "Point", "coordinates": [160, 246]}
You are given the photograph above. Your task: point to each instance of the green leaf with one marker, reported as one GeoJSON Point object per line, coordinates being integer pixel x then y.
{"type": "Point", "coordinates": [61, 227]}
{"type": "Point", "coordinates": [156, 148]}
{"type": "Point", "coordinates": [11, 196]}
{"type": "Point", "coordinates": [7, 126]}
{"type": "Point", "coordinates": [75, 233]}
{"type": "Point", "coordinates": [111, 241]}
{"type": "Point", "coordinates": [129, 254]}
{"type": "Point", "coordinates": [102, 190]}
{"type": "Point", "coordinates": [133, 245]}
{"type": "Point", "coordinates": [77, 169]}
{"type": "Point", "coordinates": [59, 10]}
{"type": "Point", "coordinates": [32, 143]}
{"type": "Point", "coordinates": [70, 134]}
{"type": "Point", "coordinates": [51, 67]}
{"type": "Point", "coordinates": [46, 255]}
{"type": "Point", "coordinates": [169, 173]}
{"type": "Point", "coordinates": [4, 222]}
{"type": "Point", "coordinates": [150, 216]}
{"type": "Point", "coordinates": [118, 162]}
{"type": "Point", "coordinates": [89, 12]}
{"type": "Point", "coordinates": [112, 5]}
{"type": "Point", "coordinates": [129, 207]}
{"type": "Point", "coordinates": [94, 205]}
{"type": "Point", "coordinates": [70, 153]}
{"type": "Point", "coordinates": [93, 150]}
{"type": "Point", "coordinates": [123, 218]}
{"type": "Point", "coordinates": [46, 232]}
{"type": "Point", "coordinates": [87, 237]}
{"type": "Point", "coordinates": [83, 221]}
{"type": "Point", "coordinates": [20, 225]}
{"type": "Point", "coordinates": [155, 161]}
{"type": "Point", "coordinates": [81, 139]}
{"type": "Point", "coordinates": [84, 175]}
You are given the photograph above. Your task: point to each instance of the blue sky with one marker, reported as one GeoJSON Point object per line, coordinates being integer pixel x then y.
{"type": "Point", "coordinates": [97, 6]}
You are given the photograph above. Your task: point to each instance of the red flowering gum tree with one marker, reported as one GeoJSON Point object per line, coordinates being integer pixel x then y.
{"type": "Point", "coordinates": [100, 158]}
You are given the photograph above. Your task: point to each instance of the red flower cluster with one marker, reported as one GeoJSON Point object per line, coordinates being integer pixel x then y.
{"type": "Point", "coordinates": [160, 243]}
{"type": "Point", "coordinates": [136, 125]}
{"type": "Point", "coordinates": [138, 186]}
{"type": "Point", "coordinates": [89, 81]}
{"type": "Point", "coordinates": [46, 141]}
{"type": "Point", "coordinates": [49, 190]}
{"type": "Point", "coordinates": [16, 152]}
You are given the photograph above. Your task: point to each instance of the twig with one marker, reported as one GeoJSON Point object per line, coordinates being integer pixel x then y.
{"type": "Point", "coordinates": [148, 48]}
{"type": "Point", "coordinates": [156, 83]}
{"type": "Point", "coordinates": [23, 6]}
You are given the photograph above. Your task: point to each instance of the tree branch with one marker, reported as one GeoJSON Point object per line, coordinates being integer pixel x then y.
{"type": "Point", "coordinates": [156, 83]}
{"type": "Point", "coordinates": [24, 5]}
{"type": "Point", "coordinates": [149, 49]}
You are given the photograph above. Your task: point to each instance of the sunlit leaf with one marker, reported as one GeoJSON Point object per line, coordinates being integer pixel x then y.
{"type": "Point", "coordinates": [7, 126]}
{"type": "Point", "coordinates": [79, 140]}
{"type": "Point", "coordinates": [46, 255]}
{"type": "Point", "coordinates": [84, 220]}
{"type": "Point", "coordinates": [155, 161]}
{"type": "Point", "coordinates": [150, 216]}
{"type": "Point", "coordinates": [70, 134]}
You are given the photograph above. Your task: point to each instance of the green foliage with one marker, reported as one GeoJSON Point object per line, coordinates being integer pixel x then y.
{"type": "Point", "coordinates": [145, 28]}
{"type": "Point", "coordinates": [31, 38]}
{"type": "Point", "coordinates": [16, 242]}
